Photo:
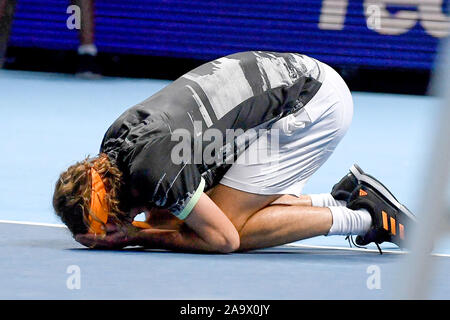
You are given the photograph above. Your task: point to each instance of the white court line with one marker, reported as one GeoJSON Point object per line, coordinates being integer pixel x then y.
{"type": "Point", "coordinates": [307, 246]}
{"type": "Point", "coordinates": [28, 223]}
{"type": "Point", "coordinates": [292, 245]}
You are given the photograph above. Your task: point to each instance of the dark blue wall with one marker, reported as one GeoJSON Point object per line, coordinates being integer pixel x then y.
{"type": "Point", "coordinates": [208, 29]}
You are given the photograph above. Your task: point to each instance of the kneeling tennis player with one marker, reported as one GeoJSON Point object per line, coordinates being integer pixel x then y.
{"type": "Point", "coordinates": [218, 159]}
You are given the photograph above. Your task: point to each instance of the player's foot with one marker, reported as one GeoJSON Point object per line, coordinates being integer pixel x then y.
{"type": "Point", "coordinates": [390, 218]}
{"type": "Point", "coordinates": [343, 189]}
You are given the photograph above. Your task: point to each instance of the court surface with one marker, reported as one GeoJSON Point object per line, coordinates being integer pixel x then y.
{"type": "Point", "coordinates": [51, 120]}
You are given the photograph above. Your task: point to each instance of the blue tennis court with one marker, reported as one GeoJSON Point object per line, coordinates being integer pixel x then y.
{"type": "Point", "coordinates": [51, 120]}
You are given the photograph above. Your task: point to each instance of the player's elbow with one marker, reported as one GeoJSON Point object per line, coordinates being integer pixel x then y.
{"type": "Point", "coordinates": [228, 243]}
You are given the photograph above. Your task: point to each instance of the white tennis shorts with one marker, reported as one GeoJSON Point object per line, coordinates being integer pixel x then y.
{"type": "Point", "coordinates": [306, 140]}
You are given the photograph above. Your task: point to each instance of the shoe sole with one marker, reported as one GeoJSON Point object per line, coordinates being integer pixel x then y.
{"type": "Point", "coordinates": [379, 187]}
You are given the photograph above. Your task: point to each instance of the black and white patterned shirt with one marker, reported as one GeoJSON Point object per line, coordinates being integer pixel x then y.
{"type": "Point", "coordinates": [241, 91]}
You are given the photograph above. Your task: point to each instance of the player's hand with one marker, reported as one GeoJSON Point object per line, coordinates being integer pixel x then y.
{"type": "Point", "coordinates": [116, 237]}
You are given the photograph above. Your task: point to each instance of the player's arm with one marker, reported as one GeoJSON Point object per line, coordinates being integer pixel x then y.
{"type": "Point", "coordinates": [162, 219]}
{"type": "Point", "coordinates": [206, 229]}
{"type": "Point", "coordinates": [211, 224]}
{"type": "Point", "coordinates": [181, 240]}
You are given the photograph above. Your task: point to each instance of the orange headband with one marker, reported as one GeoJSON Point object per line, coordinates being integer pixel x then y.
{"type": "Point", "coordinates": [99, 208]}
{"type": "Point", "coordinates": [98, 216]}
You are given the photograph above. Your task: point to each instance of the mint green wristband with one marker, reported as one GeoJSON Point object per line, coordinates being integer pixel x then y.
{"type": "Point", "coordinates": [188, 208]}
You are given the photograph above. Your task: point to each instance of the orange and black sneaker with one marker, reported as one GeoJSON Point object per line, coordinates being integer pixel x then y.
{"type": "Point", "coordinates": [390, 218]}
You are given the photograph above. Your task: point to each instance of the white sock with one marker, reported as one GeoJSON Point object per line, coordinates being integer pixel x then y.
{"type": "Point", "coordinates": [349, 222]}
{"type": "Point", "coordinates": [88, 49]}
{"type": "Point", "coordinates": [325, 200]}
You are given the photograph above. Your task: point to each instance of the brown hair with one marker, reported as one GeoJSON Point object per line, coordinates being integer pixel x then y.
{"type": "Point", "coordinates": [72, 196]}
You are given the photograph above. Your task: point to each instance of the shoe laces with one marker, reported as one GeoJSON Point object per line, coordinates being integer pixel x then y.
{"type": "Point", "coordinates": [350, 240]}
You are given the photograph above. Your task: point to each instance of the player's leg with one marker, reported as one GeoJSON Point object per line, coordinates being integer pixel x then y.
{"type": "Point", "coordinates": [314, 200]}
{"type": "Point", "coordinates": [356, 190]}
{"type": "Point", "coordinates": [280, 224]}
{"type": "Point", "coordinates": [263, 223]}
{"type": "Point", "coordinates": [239, 205]}
{"type": "Point", "coordinates": [87, 21]}
{"type": "Point", "coordinates": [87, 50]}
{"type": "Point", "coordinates": [390, 218]}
